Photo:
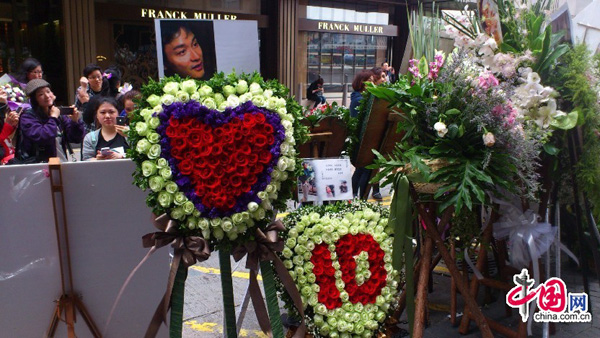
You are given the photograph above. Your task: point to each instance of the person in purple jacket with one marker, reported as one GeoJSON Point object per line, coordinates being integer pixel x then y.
{"type": "Point", "coordinates": [44, 131]}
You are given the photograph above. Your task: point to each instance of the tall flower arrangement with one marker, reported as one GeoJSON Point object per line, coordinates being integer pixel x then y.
{"type": "Point", "coordinates": [486, 114]}
{"type": "Point", "coordinates": [216, 155]}
{"type": "Point", "coordinates": [464, 117]}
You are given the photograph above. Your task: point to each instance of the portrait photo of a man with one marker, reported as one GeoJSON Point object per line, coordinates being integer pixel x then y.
{"type": "Point", "coordinates": [188, 48]}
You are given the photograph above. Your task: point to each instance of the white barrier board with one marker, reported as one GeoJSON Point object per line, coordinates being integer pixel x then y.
{"type": "Point", "coordinates": [29, 261]}
{"type": "Point", "coordinates": [107, 216]}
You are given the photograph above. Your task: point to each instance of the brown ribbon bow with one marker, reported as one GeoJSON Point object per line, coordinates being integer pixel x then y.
{"type": "Point", "coordinates": [187, 251]}
{"type": "Point", "coordinates": [263, 248]}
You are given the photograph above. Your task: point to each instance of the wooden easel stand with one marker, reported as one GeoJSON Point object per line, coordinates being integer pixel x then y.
{"type": "Point", "coordinates": [433, 233]}
{"type": "Point", "coordinates": [69, 301]}
{"type": "Point", "coordinates": [474, 289]}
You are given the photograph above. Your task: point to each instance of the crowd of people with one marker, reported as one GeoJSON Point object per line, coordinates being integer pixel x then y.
{"type": "Point", "coordinates": [96, 122]}
{"type": "Point", "coordinates": [43, 130]}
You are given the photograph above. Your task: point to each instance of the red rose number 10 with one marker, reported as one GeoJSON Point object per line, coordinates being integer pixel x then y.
{"type": "Point", "coordinates": [347, 248]}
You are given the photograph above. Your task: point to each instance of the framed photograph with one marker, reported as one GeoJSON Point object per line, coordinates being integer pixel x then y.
{"type": "Point", "coordinates": [186, 47]}
{"type": "Point", "coordinates": [490, 19]}
{"type": "Point", "coordinates": [325, 180]}
{"type": "Point", "coordinates": [200, 48]}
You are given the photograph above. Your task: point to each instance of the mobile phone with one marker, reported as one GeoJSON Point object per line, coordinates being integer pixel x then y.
{"type": "Point", "coordinates": [105, 151]}
{"type": "Point", "coordinates": [122, 120]}
{"type": "Point", "coordinates": [19, 110]}
{"type": "Point", "coordinates": [66, 110]}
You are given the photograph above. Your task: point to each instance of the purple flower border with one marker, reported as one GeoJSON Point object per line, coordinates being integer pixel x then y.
{"type": "Point", "coordinates": [215, 118]}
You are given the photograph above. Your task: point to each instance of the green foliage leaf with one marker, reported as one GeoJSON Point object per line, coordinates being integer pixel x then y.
{"type": "Point", "coordinates": [423, 66]}
{"type": "Point", "coordinates": [551, 149]}
{"type": "Point", "coordinates": [453, 131]}
{"type": "Point", "coordinates": [565, 122]}
{"type": "Point", "coordinates": [416, 90]}
{"type": "Point", "coordinates": [452, 111]}
{"type": "Point", "coordinates": [544, 65]}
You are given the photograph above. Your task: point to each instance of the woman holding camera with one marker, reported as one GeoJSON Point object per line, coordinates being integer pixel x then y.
{"type": "Point", "coordinates": [110, 141]}
{"type": "Point", "coordinates": [44, 131]}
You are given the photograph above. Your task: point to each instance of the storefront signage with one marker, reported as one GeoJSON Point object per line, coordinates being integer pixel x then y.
{"type": "Point", "coordinates": [347, 27]}
{"type": "Point", "coordinates": [178, 14]}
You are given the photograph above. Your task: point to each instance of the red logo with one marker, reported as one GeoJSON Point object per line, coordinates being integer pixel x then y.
{"type": "Point", "coordinates": [551, 295]}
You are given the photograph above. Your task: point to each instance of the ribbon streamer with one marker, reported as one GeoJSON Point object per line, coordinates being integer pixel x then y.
{"type": "Point", "coordinates": [263, 249]}
{"type": "Point", "coordinates": [401, 219]}
{"type": "Point", "coordinates": [187, 251]}
{"type": "Point", "coordinates": [528, 240]}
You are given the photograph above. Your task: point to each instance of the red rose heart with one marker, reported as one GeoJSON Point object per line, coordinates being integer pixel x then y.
{"type": "Point", "coordinates": [223, 162]}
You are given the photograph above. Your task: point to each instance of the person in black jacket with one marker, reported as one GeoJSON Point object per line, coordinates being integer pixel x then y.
{"type": "Point", "coordinates": [314, 92]}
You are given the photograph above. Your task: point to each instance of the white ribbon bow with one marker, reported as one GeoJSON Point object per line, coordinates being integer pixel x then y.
{"type": "Point", "coordinates": [528, 240]}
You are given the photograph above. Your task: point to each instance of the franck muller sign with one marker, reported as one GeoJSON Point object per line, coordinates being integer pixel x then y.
{"type": "Point", "coordinates": [347, 27]}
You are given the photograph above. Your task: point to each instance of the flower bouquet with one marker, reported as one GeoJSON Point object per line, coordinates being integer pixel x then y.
{"type": "Point", "coordinates": [216, 157]}
{"type": "Point", "coordinates": [327, 118]}
{"type": "Point", "coordinates": [317, 114]}
{"type": "Point", "coordinates": [484, 110]}
{"type": "Point", "coordinates": [464, 117]}
{"type": "Point", "coordinates": [15, 96]}
{"type": "Point", "coordinates": [340, 257]}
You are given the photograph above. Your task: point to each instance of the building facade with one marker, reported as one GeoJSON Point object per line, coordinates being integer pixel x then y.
{"type": "Point", "coordinates": [299, 39]}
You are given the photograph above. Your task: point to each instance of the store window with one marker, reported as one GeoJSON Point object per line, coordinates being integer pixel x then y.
{"type": "Point", "coordinates": [337, 57]}
{"type": "Point", "coordinates": [135, 52]}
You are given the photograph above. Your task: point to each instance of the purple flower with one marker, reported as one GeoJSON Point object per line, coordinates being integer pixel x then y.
{"type": "Point", "coordinates": [215, 118]}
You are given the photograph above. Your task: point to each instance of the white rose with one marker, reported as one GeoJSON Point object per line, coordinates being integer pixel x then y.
{"type": "Point", "coordinates": [233, 101]}
{"type": "Point", "coordinates": [489, 139]}
{"type": "Point", "coordinates": [245, 97]}
{"type": "Point", "coordinates": [222, 106]}
{"type": "Point", "coordinates": [259, 100]}
{"type": "Point", "coordinates": [272, 103]}
{"type": "Point", "coordinates": [167, 99]}
{"type": "Point", "coordinates": [146, 113]}
{"type": "Point", "coordinates": [283, 113]}
{"type": "Point", "coordinates": [255, 89]}
{"type": "Point", "coordinates": [281, 103]}
{"type": "Point", "coordinates": [209, 103]}
{"type": "Point", "coordinates": [440, 128]}
{"type": "Point", "coordinates": [171, 88]}
{"type": "Point", "coordinates": [205, 90]}
{"type": "Point", "coordinates": [241, 87]}
{"type": "Point", "coordinates": [189, 86]}
{"type": "Point", "coordinates": [182, 96]}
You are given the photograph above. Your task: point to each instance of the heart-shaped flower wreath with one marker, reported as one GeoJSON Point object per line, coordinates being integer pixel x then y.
{"type": "Point", "coordinates": [340, 257]}
{"type": "Point", "coordinates": [216, 155]}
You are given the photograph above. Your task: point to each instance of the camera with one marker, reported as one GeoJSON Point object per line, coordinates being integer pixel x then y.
{"type": "Point", "coordinates": [66, 110]}
{"type": "Point", "coordinates": [122, 120]}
